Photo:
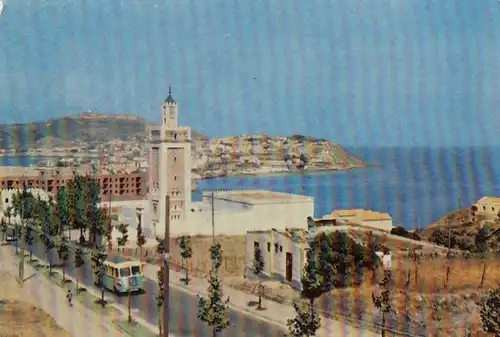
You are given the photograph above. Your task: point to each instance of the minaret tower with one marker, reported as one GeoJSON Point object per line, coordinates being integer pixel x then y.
{"type": "Point", "coordinates": [175, 168]}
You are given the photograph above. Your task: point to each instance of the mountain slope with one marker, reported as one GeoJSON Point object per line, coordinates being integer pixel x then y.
{"type": "Point", "coordinates": [82, 128]}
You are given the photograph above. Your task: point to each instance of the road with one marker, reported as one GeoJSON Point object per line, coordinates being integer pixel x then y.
{"type": "Point", "coordinates": [183, 306]}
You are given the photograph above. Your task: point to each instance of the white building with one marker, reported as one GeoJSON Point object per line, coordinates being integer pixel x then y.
{"type": "Point", "coordinates": [170, 172]}
{"type": "Point", "coordinates": [239, 211]}
{"type": "Point", "coordinates": [234, 212]}
{"type": "Point", "coordinates": [7, 197]}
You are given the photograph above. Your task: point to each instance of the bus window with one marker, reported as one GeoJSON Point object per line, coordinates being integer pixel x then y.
{"type": "Point", "coordinates": [124, 272]}
{"type": "Point", "coordinates": [115, 272]}
{"type": "Point", "coordinates": [136, 270]}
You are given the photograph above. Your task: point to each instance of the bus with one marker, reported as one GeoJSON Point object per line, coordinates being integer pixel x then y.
{"type": "Point", "coordinates": [122, 275]}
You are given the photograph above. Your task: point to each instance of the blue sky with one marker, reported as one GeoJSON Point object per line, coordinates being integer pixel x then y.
{"type": "Point", "coordinates": [360, 72]}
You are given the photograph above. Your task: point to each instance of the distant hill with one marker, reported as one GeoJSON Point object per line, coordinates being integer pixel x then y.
{"type": "Point", "coordinates": [82, 128]}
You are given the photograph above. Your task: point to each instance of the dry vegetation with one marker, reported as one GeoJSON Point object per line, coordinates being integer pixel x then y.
{"type": "Point", "coordinates": [19, 316]}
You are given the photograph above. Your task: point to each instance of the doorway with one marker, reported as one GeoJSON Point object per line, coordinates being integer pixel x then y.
{"type": "Point", "coordinates": [289, 266]}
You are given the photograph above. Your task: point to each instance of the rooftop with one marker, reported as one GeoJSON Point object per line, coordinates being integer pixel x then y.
{"type": "Point", "coordinates": [17, 171]}
{"type": "Point", "coordinates": [489, 200]}
{"type": "Point", "coordinates": [256, 197]}
{"type": "Point", "coordinates": [360, 214]}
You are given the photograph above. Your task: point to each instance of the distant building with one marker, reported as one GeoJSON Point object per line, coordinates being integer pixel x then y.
{"type": "Point", "coordinates": [358, 217]}
{"type": "Point", "coordinates": [488, 208]}
{"type": "Point", "coordinates": [7, 197]}
{"type": "Point", "coordinates": [118, 186]}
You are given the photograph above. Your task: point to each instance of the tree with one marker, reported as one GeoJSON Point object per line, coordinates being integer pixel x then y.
{"type": "Point", "coordinates": [99, 256]}
{"type": "Point", "coordinates": [93, 213]}
{"type": "Point", "coordinates": [160, 298]}
{"type": "Point", "coordinates": [490, 311]}
{"type": "Point", "coordinates": [79, 262]}
{"type": "Point", "coordinates": [29, 239]}
{"type": "Point", "coordinates": [80, 206]}
{"type": "Point", "coordinates": [62, 209]}
{"type": "Point", "coordinates": [307, 321]}
{"type": "Point", "coordinates": [123, 229]}
{"type": "Point", "coordinates": [383, 301]}
{"type": "Point", "coordinates": [257, 269]}
{"type": "Point", "coordinates": [48, 230]}
{"type": "Point", "coordinates": [141, 239]}
{"type": "Point", "coordinates": [3, 228]}
{"type": "Point", "coordinates": [186, 253]}
{"type": "Point", "coordinates": [212, 310]}
{"type": "Point", "coordinates": [63, 253]}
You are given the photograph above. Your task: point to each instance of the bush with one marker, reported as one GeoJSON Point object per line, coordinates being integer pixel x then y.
{"type": "Point", "coordinates": [400, 231]}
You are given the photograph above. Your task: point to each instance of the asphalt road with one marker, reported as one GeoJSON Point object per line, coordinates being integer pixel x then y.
{"type": "Point", "coordinates": [183, 306]}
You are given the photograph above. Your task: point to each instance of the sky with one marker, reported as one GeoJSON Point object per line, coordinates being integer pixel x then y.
{"type": "Point", "coordinates": [358, 72]}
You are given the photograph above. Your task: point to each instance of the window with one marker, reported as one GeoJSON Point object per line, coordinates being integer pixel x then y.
{"type": "Point", "coordinates": [484, 208]}
{"type": "Point", "coordinates": [175, 177]}
{"type": "Point", "coordinates": [269, 246]}
{"type": "Point", "coordinates": [281, 249]}
{"type": "Point", "coordinates": [255, 245]}
{"type": "Point", "coordinates": [6, 200]}
{"type": "Point", "coordinates": [136, 270]}
{"type": "Point", "coordinates": [175, 136]}
{"type": "Point", "coordinates": [124, 272]}
{"type": "Point", "coordinates": [175, 159]}
{"type": "Point", "coordinates": [275, 247]}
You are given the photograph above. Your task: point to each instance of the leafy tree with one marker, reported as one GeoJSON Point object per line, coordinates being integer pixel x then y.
{"type": "Point", "coordinates": [307, 321]}
{"type": "Point", "coordinates": [160, 299]}
{"type": "Point", "coordinates": [48, 230]}
{"type": "Point", "coordinates": [123, 229]}
{"type": "Point", "coordinates": [79, 262]}
{"type": "Point", "coordinates": [99, 256]}
{"type": "Point", "coordinates": [490, 311]}
{"type": "Point", "coordinates": [63, 252]}
{"type": "Point", "coordinates": [81, 220]}
{"type": "Point", "coordinates": [258, 268]}
{"type": "Point", "coordinates": [3, 228]}
{"type": "Point", "coordinates": [186, 253]}
{"type": "Point", "coordinates": [141, 239]}
{"type": "Point", "coordinates": [212, 310]}
{"type": "Point", "coordinates": [71, 192]}
{"type": "Point", "coordinates": [383, 301]}
{"type": "Point", "coordinates": [62, 209]}
{"type": "Point", "coordinates": [93, 213]}
{"type": "Point", "coordinates": [29, 239]}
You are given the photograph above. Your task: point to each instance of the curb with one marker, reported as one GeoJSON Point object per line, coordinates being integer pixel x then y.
{"type": "Point", "coordinates": [244, 311]}
{"type": "Point", "coordinates": [123, 311]}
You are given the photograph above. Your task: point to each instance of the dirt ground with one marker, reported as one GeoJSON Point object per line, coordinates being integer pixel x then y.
{"type": "Point", "coordinates": [19, 315]}
{"type": "Point", "coordinates": [446, 311]}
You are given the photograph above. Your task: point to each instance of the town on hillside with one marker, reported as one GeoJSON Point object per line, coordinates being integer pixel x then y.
{"type": "Point", "coordinates": [265, 239]}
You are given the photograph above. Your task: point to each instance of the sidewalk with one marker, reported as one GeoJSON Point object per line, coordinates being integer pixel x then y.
{"type": "Point", "coordinates": [78, 320]}
{"type": "Point", "coordinates": [276, 313]}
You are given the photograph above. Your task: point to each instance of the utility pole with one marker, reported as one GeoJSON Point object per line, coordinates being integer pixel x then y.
{"type": "Point", "coordinates": [166, 286]}
{"type": "Point", "coordinates": [213, 217]}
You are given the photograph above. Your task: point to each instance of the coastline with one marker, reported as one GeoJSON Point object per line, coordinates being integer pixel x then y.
{"type": "Point", "coordinates": [271, 174]}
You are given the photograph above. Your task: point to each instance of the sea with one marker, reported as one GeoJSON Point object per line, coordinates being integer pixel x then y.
{"type": "Point", "coordinates": [417, 186]}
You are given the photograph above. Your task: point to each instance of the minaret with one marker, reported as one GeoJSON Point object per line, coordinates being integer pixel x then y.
{"type": "Point", "coordinates": [175, 168]}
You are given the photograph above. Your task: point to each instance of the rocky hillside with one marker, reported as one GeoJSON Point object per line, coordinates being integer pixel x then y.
{"type": "Point", "coordinates": [262, 154]}
{"type": "Point", "coordinates": [463, 227]}
{"type": "Point", "coordinates": [88, 128]}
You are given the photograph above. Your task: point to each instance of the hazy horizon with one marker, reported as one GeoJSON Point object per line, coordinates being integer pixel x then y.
{"type": "Point", "coordinates": [377, 73]}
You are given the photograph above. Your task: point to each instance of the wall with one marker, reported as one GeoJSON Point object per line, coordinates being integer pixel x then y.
{"type": "Point", "coordinates": [487, 210]}
{"type": "Point", "coordinates": [274, 246]}
{"type": "Point", "coordinates": [229, 222]}
{"type": "Point", "coordinates": [385, 225]}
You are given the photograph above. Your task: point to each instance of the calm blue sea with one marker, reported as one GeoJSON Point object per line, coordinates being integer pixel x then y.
{"type": "Point", "coordinates": [415, 185]}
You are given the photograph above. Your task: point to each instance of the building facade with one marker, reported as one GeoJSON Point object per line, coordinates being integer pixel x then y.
{"type": "Point", "coordinates": [488, 208]}
{"type": "Point", "coordinates": [170, 170]}
{"type": "Point", "coordinates": [120, 186]}
{"type": "Point", "coordinates": [283, 253]}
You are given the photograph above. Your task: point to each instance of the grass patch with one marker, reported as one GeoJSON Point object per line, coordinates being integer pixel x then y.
{"type": "Point", "coordinates": [133, 329]}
